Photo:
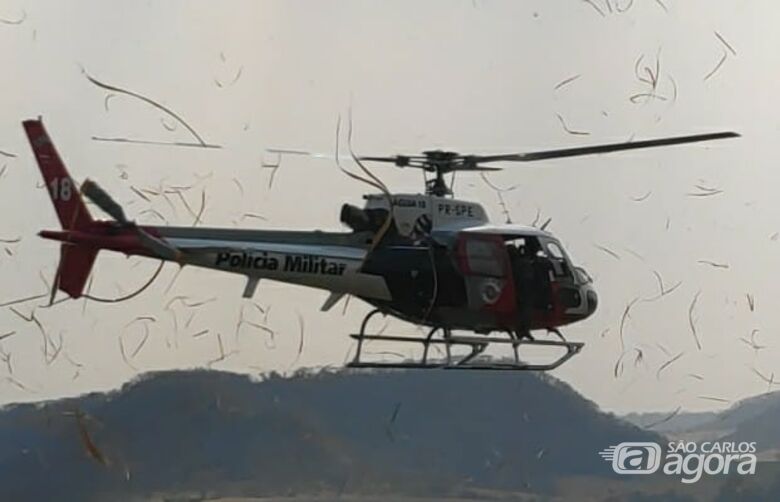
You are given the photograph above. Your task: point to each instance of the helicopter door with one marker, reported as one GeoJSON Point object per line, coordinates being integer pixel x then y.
{"type": "Point", "coordinates": [484, 262]}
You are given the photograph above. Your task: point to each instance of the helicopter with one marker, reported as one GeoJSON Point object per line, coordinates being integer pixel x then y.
{"type": "Point", "coordinates": [427, 258]}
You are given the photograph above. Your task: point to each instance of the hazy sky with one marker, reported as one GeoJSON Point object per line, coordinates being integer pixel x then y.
{"type": "Point", "coordinates": [477, 76]}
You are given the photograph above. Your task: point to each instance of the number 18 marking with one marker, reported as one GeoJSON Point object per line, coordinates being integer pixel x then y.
{"type": "Point", "coordinates": [61, 189]}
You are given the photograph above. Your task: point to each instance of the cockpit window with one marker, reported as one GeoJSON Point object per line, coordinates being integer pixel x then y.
{"type": "Point", "coordinates": [555, 251]}
{"type": "Point", "coordinates": [483, 258]}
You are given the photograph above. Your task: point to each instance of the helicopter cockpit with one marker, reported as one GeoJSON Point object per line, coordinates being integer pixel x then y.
{"type": "Point", "coordinates": [544, 275]}
{"type": "Point", "coordinates": [544, 279]}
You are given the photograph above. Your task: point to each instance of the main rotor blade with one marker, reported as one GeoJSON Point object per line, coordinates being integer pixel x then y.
{"type": "Point", "coordinates": [597, 149]}
{"type": "Point", "coordinates": [100, 197]}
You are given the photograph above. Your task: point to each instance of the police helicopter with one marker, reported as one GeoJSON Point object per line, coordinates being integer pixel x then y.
{"type": "Point", "coordinates": [429, 259]}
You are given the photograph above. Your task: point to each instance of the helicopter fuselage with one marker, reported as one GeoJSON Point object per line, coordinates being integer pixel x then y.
{"type": "Point", "coordinates": [439, 265]}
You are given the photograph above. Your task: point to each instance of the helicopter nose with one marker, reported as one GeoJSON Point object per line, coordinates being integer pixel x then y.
{"type": "Point", "coordinates": [592, 300]}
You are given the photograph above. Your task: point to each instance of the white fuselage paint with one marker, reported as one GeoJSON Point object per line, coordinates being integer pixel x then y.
{"type": "Point", "coordinates": [333, 268]}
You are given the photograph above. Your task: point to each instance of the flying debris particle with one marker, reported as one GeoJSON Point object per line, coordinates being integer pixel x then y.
{"type": "Point", "coordinates": [711, 398]}
{"type": "Point", "coordinates": [346, 304]}
{"type": "Point", "coordinates": [6, 358]}
{"type": "Point", "coordinates": [300, 342]}
{"type": "Point", "coordinates": [7, 154]}
{"type": "Point", "coordinates": [122, 171]}
{"type": "Point", "coordinates": [130, 295]}
{"type": "Point", "coordinates": [23, 300]}
{"type": "Point", "coordinates": [717, 66]}
{"type": "Point", "coordinates": [173, 281]}
{"type": "Point", "coordinates": [11, 241]}
{"type": "Point", "coordinates": [536, 218]}
{"type": "Point", "coordinates": [634, 254]}
{"type": "Point", "coordinates": [752, 341]}
{"type": "Point", "coordinates": [500, 194]}
{"type": "Point", "coordinates": [232, 82]}
{"type": "Point", "coordinates": [713, 264]}
{"type": "Point", "coordinates": [662, 5]}
{"type": "Point", "coordinates": [608, 251]}
{"type": "Point", "coordinates": [725, 43]}
{"type": "Point", "coordinates": [663, 349]}
{"type": "Point", "coordinates": [187, 205]}
{"type": "Point", "coordinates": [18, 384]}
{"type": "Point", "coordinates": [625, 8]}
{"type": "Point", "coordinates": [58, 349]}
{"type": "Point", "coordinates": [167, 126]}
{"type": "Point", "coordinates": [141, 319]}
{"type": "Point", "coordinates": [221, 347]}
{"type": "Point", "coordinates": [142, 342]}
{"type": "Point", "coordinates": [568, 130]}
{"type": "Point", "coordinates": [199, 303]}
{"type": "Point", "coordinates": [667, 364]}
{"type": "Point", "coordinates": [150, 101]}
{"type": "Point", "coordinates": [618, 369]}
{"type": "Point", "coordinates": [123, 353]}
{"type": "Point", "coordinates": [155, 213]}
{"type": "Point", "coordinates": [642, 197]}
{"type": "Point", "coordinates": [199, 216]}
{"type": "Point", "coordinates": [626, 315]}
{"type": "Point", "coordinates": [663, 291]}
{"type": "Point", "coordinates": [7, 335]}
{"type": "Point", "coordinates": [273, 167]}
{"type": "Point", "coordinates": [595, 7]}
{"type": "Point", "coordinates": [663, 420]}
{"type": "Point", "coordinates": [639, 358]}
{"type": "Point", "coordinates": [695, 375]}
{"type": "Point", "coordinates": [691, 320]}
{"type": "Point", "coordinates": [107, 99]}
{"type": "Point", "coordinates": [705, 191]}
{"type": "Point", "coordinates": [18, 21]}
{"type": "Point", "coordinates": [566, 81]}
{"type": "Point", "coordinates": [86, 440]}
{"type": "Point", "coordinates": [153, 142]}
{"type": "Point", "coordinates": [674, 88]}
{"type": "Point", "coordinates": [253, 216]}
{"type": "Point", "coordinates": [140, 194]}
{"type": "Point", "coordinates": [650, 76]}
{"type": "Point", "coordinates": [389, 426]}
{"type": "Point", "coordinates": [239, 186]}
{"type": "Point", "coordinates": [200, 333]}
{"type": "Point", "coordinates": [770, 380]}
{"type": "Point", "coordinates": [262, 327]}
{"type": "Point", "coordinates": [34, 320]}
{"type": "Point", "coordinates": [751, 302]}
{"type": "Point", "coordinates": [190, 319]}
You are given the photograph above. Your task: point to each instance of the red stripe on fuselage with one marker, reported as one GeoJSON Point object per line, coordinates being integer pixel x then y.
{"type": "Point", "coordinates": [104, 235]}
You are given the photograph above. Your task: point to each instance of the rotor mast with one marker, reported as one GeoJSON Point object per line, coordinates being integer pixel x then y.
{"type": "Point", "coordinates": [439, 162]}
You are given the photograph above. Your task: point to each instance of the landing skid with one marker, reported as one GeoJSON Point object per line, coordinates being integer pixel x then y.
{"type": "Point", "coordinates": [476, 343]}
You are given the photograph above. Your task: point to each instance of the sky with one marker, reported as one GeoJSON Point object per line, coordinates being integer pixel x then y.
{"type": "Point", "coordinates": [475, 76]}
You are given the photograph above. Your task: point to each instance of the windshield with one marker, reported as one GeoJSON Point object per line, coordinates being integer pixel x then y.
{"type": "Point", "coordinates": [553, 250]}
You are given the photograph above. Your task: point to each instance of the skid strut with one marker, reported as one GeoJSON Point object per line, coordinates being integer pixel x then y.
{"type": "Point", "coordinates": [476, 343]}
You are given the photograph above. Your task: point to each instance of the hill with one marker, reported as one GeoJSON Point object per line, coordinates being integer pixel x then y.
{"type": "Point", "coordinates": [208, 434]}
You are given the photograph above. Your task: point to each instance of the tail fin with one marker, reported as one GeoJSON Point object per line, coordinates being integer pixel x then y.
{"type": "Point", "coordinates": [64, 193]}
{"type": "Point", "coordinates": [75, 265]}
{"type": "Point", "coordinates": [75, 261]}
